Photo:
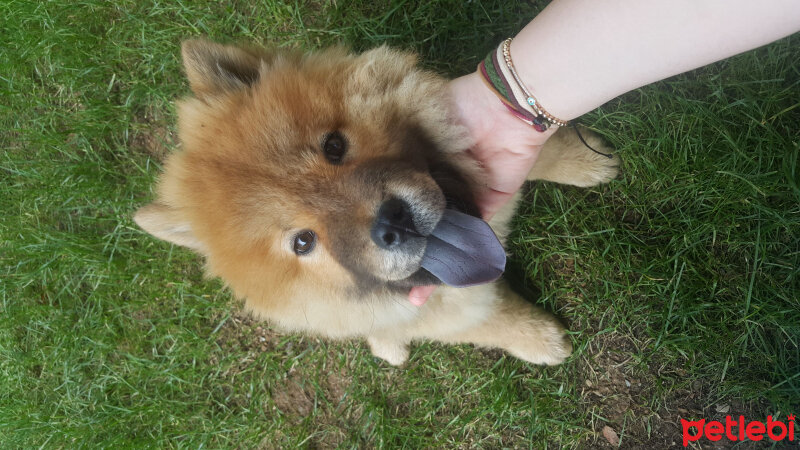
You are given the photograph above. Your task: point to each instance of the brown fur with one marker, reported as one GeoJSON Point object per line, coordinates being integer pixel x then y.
{"type": "Point", "coordinates": [250, 175]}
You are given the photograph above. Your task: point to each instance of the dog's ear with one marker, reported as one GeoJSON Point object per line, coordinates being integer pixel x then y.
{"type": "Point", "coordinates": [214, 68]}
{"type": "Point", "coordinates": [166, 222]}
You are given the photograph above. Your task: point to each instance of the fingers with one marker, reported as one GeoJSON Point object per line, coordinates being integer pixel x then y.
{"type": "Point", "coordinates": [491, 201]}
{"type": "Point", "coordinates": [505, 174]}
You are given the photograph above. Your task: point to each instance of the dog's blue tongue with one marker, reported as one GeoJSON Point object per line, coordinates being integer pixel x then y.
{"type": "Point", "coordinates": [464, 251]}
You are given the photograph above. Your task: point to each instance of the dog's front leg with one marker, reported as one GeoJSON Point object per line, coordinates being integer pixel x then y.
{"type": "Point", "coordinates": [393, 351]}
{"type": "Point", "coordinates": [512, 324]}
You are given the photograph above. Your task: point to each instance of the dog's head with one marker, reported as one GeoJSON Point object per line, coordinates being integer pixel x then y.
{"type": "Point", "coordinates": [310, 173]}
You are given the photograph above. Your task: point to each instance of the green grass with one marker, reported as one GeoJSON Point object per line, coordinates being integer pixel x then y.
{"type": "Point", "coordinates": [679, 280]}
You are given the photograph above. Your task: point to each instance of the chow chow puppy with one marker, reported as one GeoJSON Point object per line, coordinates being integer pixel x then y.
{"type": "Point", "coordinates": [312, 184]}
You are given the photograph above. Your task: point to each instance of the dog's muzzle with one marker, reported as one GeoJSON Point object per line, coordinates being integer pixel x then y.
{"type": "Point", "coordinates": [394, 225]}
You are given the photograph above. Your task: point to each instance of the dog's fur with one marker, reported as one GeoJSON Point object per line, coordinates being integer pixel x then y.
{"type": "Point", "coordinates": [251, 174]}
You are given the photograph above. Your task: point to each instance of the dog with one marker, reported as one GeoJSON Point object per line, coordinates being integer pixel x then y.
{"type": "Point", "coordinates": [312, 184]}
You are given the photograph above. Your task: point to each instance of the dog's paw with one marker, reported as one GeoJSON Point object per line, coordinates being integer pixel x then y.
{"type": "Point", "coordinates": [394, 353]}
{"type": "Point", "coordinates": [566, 159]}
{"type": "Point", "coordinates": [596, 168]}
{"type": "Point", "coordinates": [548, 344]}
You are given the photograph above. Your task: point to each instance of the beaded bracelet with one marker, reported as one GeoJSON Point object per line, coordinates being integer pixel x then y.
{"type": "Point", "coordinates": [503, 80]}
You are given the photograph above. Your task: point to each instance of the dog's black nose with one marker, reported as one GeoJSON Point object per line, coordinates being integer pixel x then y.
{"type": "Point", "coordinates": [393, 224]}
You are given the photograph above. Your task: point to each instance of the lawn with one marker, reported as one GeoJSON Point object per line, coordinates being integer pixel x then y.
{"type": "Point", "coordinates": [679, 281]}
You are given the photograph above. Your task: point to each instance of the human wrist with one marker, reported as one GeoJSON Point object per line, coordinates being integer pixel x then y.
{"type": "Point", "coordinates": [484, 114]}
{"type": "Point", "coordinates": [499, 74]}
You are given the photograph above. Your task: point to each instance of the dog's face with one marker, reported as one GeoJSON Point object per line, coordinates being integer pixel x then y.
{"type": "Point", "coordinates": [319, 174]}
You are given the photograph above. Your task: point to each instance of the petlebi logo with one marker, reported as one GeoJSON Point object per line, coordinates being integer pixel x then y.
{"type": "Point", "coordinates": [738, 429]}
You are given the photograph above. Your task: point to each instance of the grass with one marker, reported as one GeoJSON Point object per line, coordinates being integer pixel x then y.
{"type": "Point", "coordinates": [679, 280]}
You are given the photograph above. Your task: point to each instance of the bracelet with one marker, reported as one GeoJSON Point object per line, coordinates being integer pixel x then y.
{"type": "Point", "coordinates": [503, 80]}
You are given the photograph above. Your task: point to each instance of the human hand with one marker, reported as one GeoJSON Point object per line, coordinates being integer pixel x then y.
{"type": "Point", "coordinates": [505, 146]}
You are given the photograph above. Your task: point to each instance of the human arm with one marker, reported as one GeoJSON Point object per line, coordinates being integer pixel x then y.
{"type": "Point", "coordinates": [578, 54]}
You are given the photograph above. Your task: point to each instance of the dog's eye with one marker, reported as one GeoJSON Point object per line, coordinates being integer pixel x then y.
{"type": "Point", "coordinates": [334, 146]}
{"type": "Point", "coordinates": [304, 242]}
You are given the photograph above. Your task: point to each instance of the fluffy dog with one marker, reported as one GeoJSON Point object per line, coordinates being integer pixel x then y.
{"type": "Point", "coordinates": [312, 185]}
